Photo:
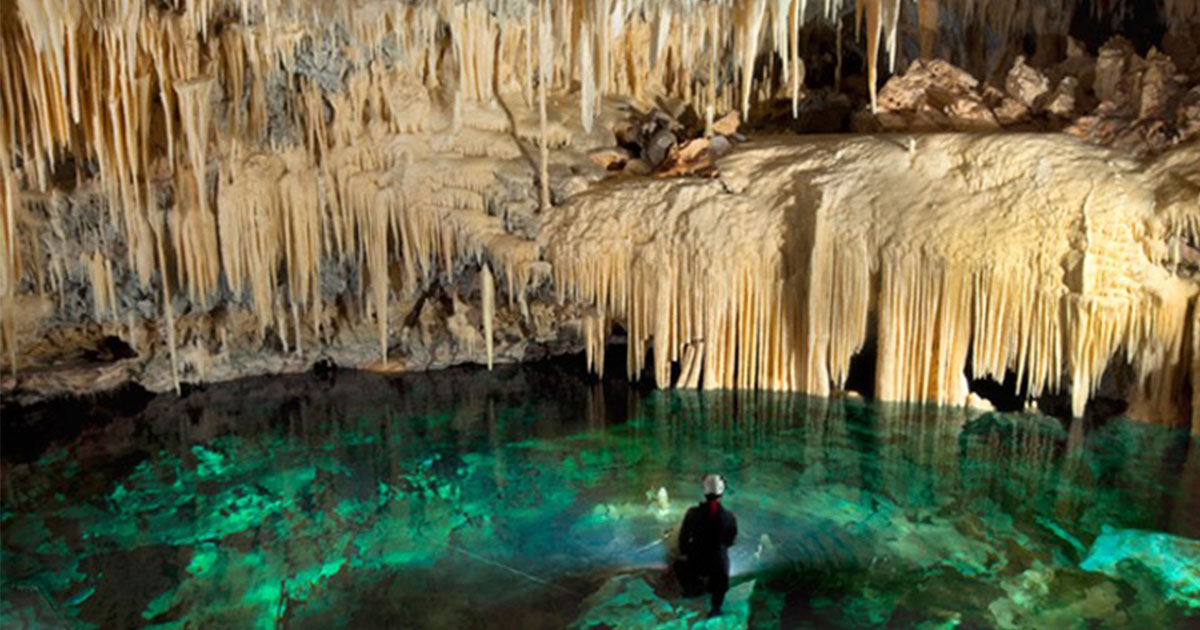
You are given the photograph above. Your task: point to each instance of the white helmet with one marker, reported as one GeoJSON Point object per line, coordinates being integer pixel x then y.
{"type": "Point", "coordinates": [714, 485]}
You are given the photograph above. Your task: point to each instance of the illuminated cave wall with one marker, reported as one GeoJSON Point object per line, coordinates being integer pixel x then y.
{"type": "Point", "coordinates": [288, 178]}
{"type": "Point", "coordinates": [769, 277]}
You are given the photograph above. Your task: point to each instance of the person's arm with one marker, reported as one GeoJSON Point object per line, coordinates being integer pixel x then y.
{"type": "Point", "coordinates": [731, 534]}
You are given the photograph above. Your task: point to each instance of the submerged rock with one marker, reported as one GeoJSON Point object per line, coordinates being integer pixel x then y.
{"type": "Point", "coordinates": [1040, 597]}
{"type": "Point", "coordinates": [627, 602]}
{"type": "Point", "coordinates": [1173, 559]}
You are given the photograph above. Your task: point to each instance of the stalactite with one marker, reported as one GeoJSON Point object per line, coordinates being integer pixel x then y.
{"type": "Point", "coordinates": [1195, 332]}
{"type": "Point", "coordinates": [153, 95]}
{"type": "Point", "coordinates": [587, 90]}
{"type": "Point", "coordinates": [927, 20]}
{"type": "Point", "coordinates": [752, 16]}
{"type": "Point", "coordinates": [544, 72]}
{"type": "Point", "coordinates": [796, 71]}
{"type": "Point", "coordinates": [104, 298]}
{"type": "Point", "coordinates": [783, 301]}
{"type": "Point", "coordinates": [168, 308]}
{"type": "Point", "coordinates": [10, 268]}
{"type": "Point", "coordinates": [487, 290]}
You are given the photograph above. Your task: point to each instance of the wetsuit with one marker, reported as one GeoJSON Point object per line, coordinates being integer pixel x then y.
{"type": "Point", "coordinates": [707, 533]}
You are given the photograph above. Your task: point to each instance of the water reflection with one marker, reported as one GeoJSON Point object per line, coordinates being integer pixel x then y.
{"type": "Point", "coordinates": [468, 499]}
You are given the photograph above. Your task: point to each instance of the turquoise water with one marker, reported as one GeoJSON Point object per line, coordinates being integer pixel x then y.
{"type": "Point", "coordinates": [536, 498]}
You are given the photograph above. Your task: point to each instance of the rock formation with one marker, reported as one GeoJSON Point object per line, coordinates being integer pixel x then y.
{"type": "Point", "coordinates": [196, 190]}
{"type": "Point", "coordinates": [1002, 252]}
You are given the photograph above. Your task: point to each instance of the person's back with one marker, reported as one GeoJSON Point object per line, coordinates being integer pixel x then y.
{"type": "Point", "coordinates": [707, 533]}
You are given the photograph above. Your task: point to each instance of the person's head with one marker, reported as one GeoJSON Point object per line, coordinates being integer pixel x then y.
{"type": "Point", "coordinates": [714, 487]}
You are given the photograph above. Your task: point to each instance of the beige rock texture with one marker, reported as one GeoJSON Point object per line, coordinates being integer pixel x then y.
{"type": "Point", "coordinates": [1037, 254]}
{"type": "Point", "coordinates": [1141, 105]}
{"type": "Point", "coordinates": [197, 191]}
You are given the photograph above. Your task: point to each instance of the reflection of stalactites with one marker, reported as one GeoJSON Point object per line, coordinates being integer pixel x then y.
{"type": "Point", "coordinates": [1075, 476]}
{"type": "Point", "coordinates": [495, 428]}
{"type": "Point", "coordinates": [1017, 454]}
{"type": "Point", "coordinates": [1186, 511]}
{"type": "Point", "coordinates": [918, 445]}
{"type": "Point", "coordinates": [594, 409]}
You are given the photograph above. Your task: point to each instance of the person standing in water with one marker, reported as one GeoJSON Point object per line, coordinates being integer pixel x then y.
{"type": "Point", "coordinates": [704, 540]}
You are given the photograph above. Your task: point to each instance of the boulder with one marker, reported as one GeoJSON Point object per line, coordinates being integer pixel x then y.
{"type": "Point", "coordinates": [1158, 84]}
{"type": "Point", "coordinates": [1026, 84]}
{"type": "Point", "coordinates": [1062, 101]}
{"type": "Point", "coordinates": [728, 124]}
{"type": "Point", "coordinates": [659, 146]}
{"type": "Point", "coordinates": [610, 158]}
{"type": "Point", "coordinates": [1111, 65]}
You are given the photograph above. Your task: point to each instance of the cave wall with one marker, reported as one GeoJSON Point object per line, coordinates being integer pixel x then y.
{"type": "Point", "coordinates": [202, 190]}
{"type": "Point", "coordinates": [1033, 254]}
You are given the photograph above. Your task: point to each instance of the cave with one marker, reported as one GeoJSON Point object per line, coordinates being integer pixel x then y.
{"type": "Point", "coordinates": [464, 313]}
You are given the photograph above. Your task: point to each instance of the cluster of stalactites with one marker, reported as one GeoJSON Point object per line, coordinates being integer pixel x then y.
{"type": "Point", "coordinates": [785, 300]}
{"type": "Point", "coordinates": [749, 327]}
{"type": "Point", "coordinates": [138, 89]}
{"type": "Point", "coordinates": [85, 79]}
{"type": "Point", "coordinates": [162, 98]}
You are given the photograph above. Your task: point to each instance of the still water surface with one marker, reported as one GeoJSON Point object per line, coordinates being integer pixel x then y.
{"type": "Point", "coordinates": [534, 497]}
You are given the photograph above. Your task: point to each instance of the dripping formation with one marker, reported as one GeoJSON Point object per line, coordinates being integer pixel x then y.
{"type": "Point", "coordinates": [316, 163]}
{"type": "Point", "coordinates": [775, 277]}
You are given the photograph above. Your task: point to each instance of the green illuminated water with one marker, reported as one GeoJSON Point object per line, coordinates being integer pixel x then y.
{"type": "Point", "coordinates": [530, 498]}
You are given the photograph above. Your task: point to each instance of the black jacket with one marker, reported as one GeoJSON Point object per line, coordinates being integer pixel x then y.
{"type": "Point", "coordinates": [706, 537]}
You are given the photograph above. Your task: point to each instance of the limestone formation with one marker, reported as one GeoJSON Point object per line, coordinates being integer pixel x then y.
{"type": "Point", "coordinates": [1027, 253]}
{"type": "Point", "coordinates": [226, 187]}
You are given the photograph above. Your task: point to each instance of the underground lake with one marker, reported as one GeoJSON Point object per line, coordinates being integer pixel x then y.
{"type": "Point", "coordinates": [541, 497]}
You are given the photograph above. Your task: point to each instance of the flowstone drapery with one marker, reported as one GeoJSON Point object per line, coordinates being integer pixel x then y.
{"type": "Point", "coordinates": [196, 178]}
{"type": "Point", "coordinates": [1032, 254]}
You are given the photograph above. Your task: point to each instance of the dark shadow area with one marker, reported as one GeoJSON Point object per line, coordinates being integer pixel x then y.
{"type": "Point", "coordinates": [1140, 23]}
{"type": "Point", "coordinates": [861, 378]}
{"type": "Point", "coordinates": [29, 431]}
{"type": "Point", "coordinates": [1005, 396]}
